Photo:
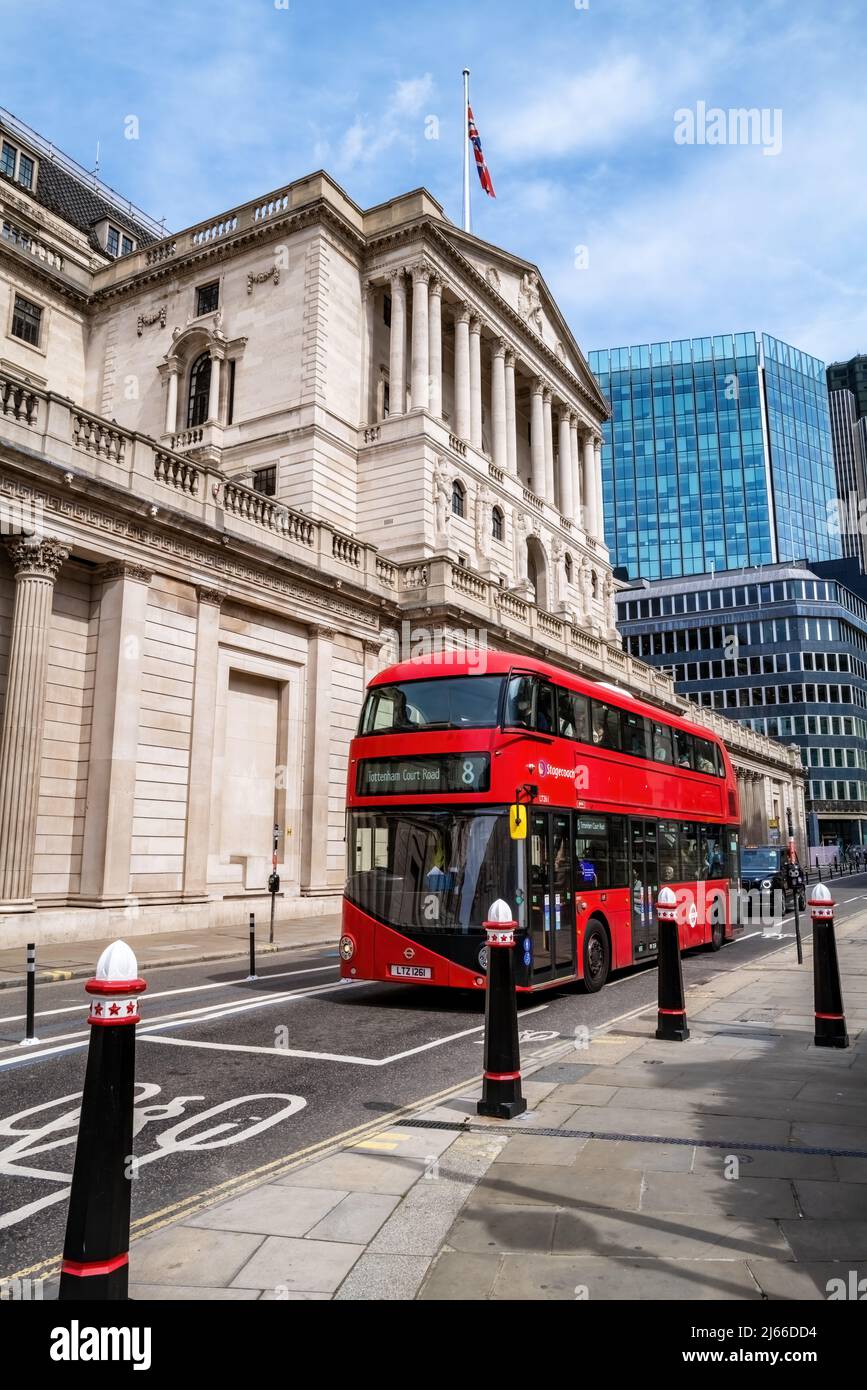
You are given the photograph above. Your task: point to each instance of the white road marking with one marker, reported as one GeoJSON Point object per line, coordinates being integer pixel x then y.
{"type": "Point", "coordinates": [169, 993]}
{"type": "Point", "coordinates": [203, 1015]}
{"type": "Point", "coordinates": [319, 1056]}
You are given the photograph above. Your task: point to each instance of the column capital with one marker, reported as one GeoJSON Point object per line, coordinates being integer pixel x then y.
{"type": "Point", "coordinates": [436, 284]}
{"type": "Point", "coordinates": [421, 272]}
{"type": "Point", "coordinates": [124, 569]}
{"type": "Point", "coordinates": [463, 312]}
{"type": "Point", "coordinates": [216, 597]}
{"type": "Point", "coordinates": [500, 347]}
{"type": "Point", "coordinates": [371, 647]}
{"type": "Point", "coordinates": [397, 278]}
{"type": "Point", "coordinates": [547, 394]}
{"type": "Point", "coordinates": [537, 386]}
{"type": "Point", "coordinates": [321, 630]}
{"type": "Point", "coordinates": [475, 323]}
{"type": "Point", "coordinates": [32, 559]}
{"type": "Point", "coordinates": [510, 356]}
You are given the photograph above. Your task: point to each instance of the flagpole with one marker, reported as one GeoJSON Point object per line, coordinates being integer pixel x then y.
{"type": "Point", "coordinates": [467, 226]}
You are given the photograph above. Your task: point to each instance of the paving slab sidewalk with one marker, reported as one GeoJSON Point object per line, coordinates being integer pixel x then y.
{"type": "Point", "coordinates": [69, 960]}
{"type": "Point", "coordinates": [695, 1183]}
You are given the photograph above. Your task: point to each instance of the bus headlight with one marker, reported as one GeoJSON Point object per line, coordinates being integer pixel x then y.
{"type": "Point", "coordinates": [766, 883]}
{"type": "Point", "coordinates": [346, 947]}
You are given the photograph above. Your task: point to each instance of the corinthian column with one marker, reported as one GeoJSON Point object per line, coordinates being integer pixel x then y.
{"type": "Point", "coordinates": [462, 372]}
{"type": "Point", "coordinates": [576, 470]}
{"type": "Point", "coordinates": [549, 447]}
{"type": "Point", "coordinates": [511, 417]}
{"type": "Point", "coordinates": [591, 524]}
{"type": "Point", "coordinates": [214, 388]}
{"type": "Point", "coordinates": [565, 461]}
{"type": "Point", "coordinates": [537, 439]}
{"type": "Point", "coordinates": [435, 349]}
{"type": "Point", "coordinates": [172, 396]}
{"type": "Point", "coordinates": [420, 338]}
{"type": "Point", "coordinates": [597, 474]}
{"type": "Point", "coordinates": [476, 382]}
{"type": "Point", "coordinates": [498, 405]}
{"type": "Point", "coordinates": [37, 565]}
{"type": "Point", "coordinates": [397, 347]}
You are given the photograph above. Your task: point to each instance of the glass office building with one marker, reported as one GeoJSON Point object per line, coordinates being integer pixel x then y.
{"type": "Point", "coordinates": [782, 649]}
{"type": "Point", "coordinates": [717, 456]}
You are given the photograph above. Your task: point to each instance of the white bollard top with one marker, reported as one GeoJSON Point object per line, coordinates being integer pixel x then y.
{"type": "Point", "coordinates": [666, 898]}
{"type": "Point", "coordinates": [820, 894]}
{"type": "Point", "coordinates": [117, 962]}
{"type": "Point", "coordinates": [499, 912]}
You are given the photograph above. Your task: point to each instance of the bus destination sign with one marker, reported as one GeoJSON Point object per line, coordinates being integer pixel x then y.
{"type": "Point", "coordinates": [432, 774]}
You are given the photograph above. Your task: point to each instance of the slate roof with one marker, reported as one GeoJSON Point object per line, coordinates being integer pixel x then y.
{"type": "Point", "coordinates": [71, 193]}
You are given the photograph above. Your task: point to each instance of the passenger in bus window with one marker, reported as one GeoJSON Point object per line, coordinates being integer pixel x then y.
{"type": "Point", "coordinates": [545, 710]}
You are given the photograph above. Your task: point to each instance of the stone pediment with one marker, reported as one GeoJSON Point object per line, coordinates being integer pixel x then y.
{"type": "Point", "coordinates": [522, 287]}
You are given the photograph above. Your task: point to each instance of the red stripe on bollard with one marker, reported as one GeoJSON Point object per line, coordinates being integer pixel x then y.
{"type": "Point", "coordinates": [502, 1076]}
{"type": "Point", "coordinates": [93, 1267]}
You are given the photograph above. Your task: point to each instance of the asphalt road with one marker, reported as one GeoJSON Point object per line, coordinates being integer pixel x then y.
{"type": "Point", "coordinates": [232, 1073]}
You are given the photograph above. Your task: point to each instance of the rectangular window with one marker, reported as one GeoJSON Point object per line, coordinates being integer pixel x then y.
{"type": "Point", "coordinates": [26, 320]}
{"type": "Point", "coordinates": [7, 159]}
{"type": "Point", "coordinates": [208, 298]}
{"type": "Point", "coordinates": [661, 742]}
{"type": "Point", "coordinates": [112, 241]}
{"type": "Point", "coordinates": [126, 245]}
{"type": "Point", "coordinates": [600, 852]}
{"type": "Point", "coordinates": [230, 395]}
{"type": "Point", "coordinates": [25, 171]}
{"type": "Point", "coordinates": [573, 715]}
{"type": "Point", "coordinates": [265, 480]}
{"type": "Point", "coordinates": [386, 310]}
{"type": "Point", "coordinates": [669, 857]}
{"type": "Point", "coordinates": [683, 751]}
{"type": "Point", "coordinates": [704, 758]}
{"type": "Point", "coordinates": [688, 852]}
{"type": "Point", "coordinates": [635, 735]}
{"type": "Point", "coordinates": [606, 726]}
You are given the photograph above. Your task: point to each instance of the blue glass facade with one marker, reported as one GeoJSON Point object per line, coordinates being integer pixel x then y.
{"type": "Point", "coordinates": [694, 478]}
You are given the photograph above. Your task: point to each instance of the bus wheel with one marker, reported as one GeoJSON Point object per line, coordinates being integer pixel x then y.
{"type": "Point", "coordinates": [717, 936]}
{"type": "Point", "coordinates": [597, 956]}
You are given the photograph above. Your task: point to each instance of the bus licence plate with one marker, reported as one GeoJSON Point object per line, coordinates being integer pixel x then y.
{"type": "Point", "coordinates": [411, 972]}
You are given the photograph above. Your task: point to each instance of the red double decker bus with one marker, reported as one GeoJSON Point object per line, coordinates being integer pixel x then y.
{"type": "Point", "coordinates": [513, 779]}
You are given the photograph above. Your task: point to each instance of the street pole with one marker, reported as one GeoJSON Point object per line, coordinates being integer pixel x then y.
{"type": "Point", "coordinates": [29, 1031]}
{"type": "Point", "coordinates": [502, 1098]}
{"type": "Point", "coordinates": [252, 974]}
{"type": "Point", "coordinates": [830, 1027]}
{"type": "Point", "coordinates": [273, 883]}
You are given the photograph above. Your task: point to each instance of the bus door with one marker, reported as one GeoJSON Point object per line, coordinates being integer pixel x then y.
{"type": "Point", "coordinates": [644, 881]}
{"type": "Point", "coordinates": [551, 903]}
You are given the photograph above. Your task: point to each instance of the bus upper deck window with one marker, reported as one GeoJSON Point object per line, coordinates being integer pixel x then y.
{"type": "Point", "coordinates": [519, 703]}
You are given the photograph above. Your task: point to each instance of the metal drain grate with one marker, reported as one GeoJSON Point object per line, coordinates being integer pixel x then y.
{"type": "Point", "coordinates": [730, 1146]}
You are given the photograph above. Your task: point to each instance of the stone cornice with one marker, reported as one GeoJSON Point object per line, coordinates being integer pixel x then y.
{"type": "Point", "coordinates": [187, 557]}
{"type": "Point", "coordinates": [280, 225]}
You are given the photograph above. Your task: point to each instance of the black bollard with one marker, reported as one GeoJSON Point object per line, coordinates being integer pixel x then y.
{"type": "Point", "coordinates": [671, 1023]}
{"type": "Point", "coordinates": [95, 1264]}
{"type": "Point", "coordinates": [818, 869]}
{"type": "Point", "coordinates": [501, 1084]}
{"type": "Point", "coordinates": [252, 974]}
{"type": "Point", "coordinates": [827, 993]}
{"type": "Point", "coordinates": [29, 1028]}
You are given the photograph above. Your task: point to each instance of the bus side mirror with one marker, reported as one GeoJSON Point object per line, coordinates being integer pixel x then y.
{"type": "Point", "coordinates": [518, 822]}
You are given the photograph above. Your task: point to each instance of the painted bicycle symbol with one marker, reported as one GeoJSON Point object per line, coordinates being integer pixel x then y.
{"type": "Point", "coordinates": [52, 1127]}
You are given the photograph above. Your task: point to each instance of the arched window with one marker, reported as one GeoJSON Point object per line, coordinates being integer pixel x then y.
{"type": "Point", "coordinates": [200, 390]}
{"type": "Point", "coordinates": [497, 524]}
{"type": "Point", "coordinates": [458, 498]}
{"type": "Point", "coordinates": [568, 567]}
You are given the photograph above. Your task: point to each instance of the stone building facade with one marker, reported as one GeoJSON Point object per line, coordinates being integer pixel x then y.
{"type": "Point", "coordinates": [241, 466]}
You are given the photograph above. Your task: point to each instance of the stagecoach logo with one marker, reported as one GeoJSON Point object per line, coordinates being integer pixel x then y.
{"type": "Point", "coordinates": [548, 770]}
{"type": "Point", "coordinates": [483, 958]}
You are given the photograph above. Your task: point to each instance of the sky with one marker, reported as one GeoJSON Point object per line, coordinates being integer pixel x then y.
{"type": "Point", "coordinates": [642, 230]}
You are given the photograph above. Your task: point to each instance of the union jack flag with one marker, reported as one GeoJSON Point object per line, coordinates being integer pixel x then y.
{"type": "Point", "coordinates": [484, 172]}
